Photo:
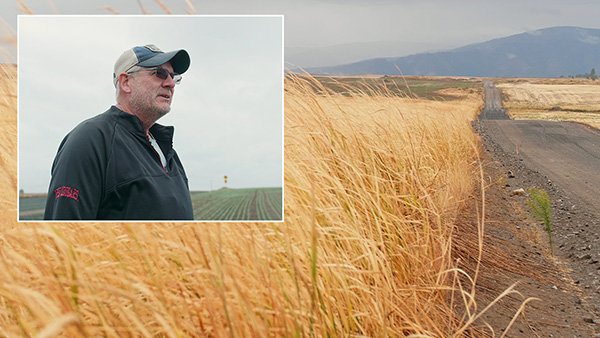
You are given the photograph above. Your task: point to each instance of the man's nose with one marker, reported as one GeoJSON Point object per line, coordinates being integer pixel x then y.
{"type": "Point", "coordinates": [168, 82]}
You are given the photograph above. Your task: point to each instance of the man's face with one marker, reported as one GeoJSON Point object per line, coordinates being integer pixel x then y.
{"type": "Point", "coordinates": [151, 95]}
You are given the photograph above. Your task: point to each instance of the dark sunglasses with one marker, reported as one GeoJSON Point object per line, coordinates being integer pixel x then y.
{"type": "Point", "coordinates": [161, 73]}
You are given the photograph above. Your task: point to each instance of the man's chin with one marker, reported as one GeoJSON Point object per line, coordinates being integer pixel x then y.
{"type": "Point", "coordinates": [163, 108]}
{"type": "Point", "coordinates": [166, 107]}
{"type": "Point", "coordinates": [159, 112]}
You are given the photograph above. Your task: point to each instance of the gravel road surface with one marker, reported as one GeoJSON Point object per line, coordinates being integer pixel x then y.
{"type": "Point", "coordinates": [562, 158]}
{"type": "Point", "coordinates": [567, 153]}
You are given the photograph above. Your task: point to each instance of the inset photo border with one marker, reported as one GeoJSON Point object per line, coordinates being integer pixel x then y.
{"type": "Point", "coordinates": [227, 115]}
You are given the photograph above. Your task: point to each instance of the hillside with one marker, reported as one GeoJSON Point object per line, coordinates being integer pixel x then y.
{"type": "Point", "coordinates": [549, 52]}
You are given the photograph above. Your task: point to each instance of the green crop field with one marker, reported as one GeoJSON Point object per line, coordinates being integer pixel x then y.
{"type": "Point", "coordinates": [32, 208]}
{"type": "Point", "coordinates": [258, 204]}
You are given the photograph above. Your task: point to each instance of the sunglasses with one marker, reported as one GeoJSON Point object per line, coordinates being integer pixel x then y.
{"type": "Point", "coordinates": [161, 73]}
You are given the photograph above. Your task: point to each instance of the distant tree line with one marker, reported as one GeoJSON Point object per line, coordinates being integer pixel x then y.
{"type": "Point", "coordinates": [591, 75]}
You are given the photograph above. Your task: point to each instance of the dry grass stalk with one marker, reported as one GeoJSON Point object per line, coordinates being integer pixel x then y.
{"type": "Point", "coordinates": [24, 8]}
{"type": "Point", "coordinates": [192, 9]}
{"type": "Point", "coordinates": [164, 8]}
{"type": "Point", "coordinates": [54, 10]}
{"type": "Point", "coordinates": [142, 9]}
{"type": "Point", "coordinates": [112, 10]}
{"type": "Point", "coordinates": [7, 35]}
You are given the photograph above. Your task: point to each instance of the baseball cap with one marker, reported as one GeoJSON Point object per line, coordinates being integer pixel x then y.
{"type": "Point", "coordinates": [150, 56]}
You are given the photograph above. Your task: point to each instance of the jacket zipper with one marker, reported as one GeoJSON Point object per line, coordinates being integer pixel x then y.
{"type": "Point", "coordinates": [151, 147]}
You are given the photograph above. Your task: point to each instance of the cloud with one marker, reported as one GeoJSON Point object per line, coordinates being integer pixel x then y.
{"type": "Point", "coordinates": [589, 39]}
{"type": "Point", "coordinates": [536, 32]}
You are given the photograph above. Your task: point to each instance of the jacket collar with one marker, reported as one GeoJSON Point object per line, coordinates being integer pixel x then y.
{"type": "Point", "coordinates": [162, 134]}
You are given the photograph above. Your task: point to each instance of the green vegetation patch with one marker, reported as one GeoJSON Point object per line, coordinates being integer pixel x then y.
{"type": "Point", "coordinates": [540, 207]}
{"type": "Point", "coordinates": [402, 86]}
{"type": "Point", "coordinates": [255, 204]}
{"type": "Point", "coordinates": [32, 208]}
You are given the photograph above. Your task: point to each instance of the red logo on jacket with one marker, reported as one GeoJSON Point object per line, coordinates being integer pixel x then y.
{"type": "Point", "coordinates": [67, 192]}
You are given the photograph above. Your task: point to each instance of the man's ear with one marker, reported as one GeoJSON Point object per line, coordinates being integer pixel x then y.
{"type": "Point", "coordinates": [125, 83]}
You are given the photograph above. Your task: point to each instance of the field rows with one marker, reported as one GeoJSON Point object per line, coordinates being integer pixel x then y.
{"type": "Point", "coordinates": [238, 204]}
{"type": "Point", "coordinates": [230, 204]}
{"type": "Point", "coordinates": [32, 208]}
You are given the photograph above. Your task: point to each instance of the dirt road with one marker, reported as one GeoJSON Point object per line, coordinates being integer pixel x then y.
{"type": "Point", "coordinates": [493, 108]}
{"type": "Point", "coordinates": [567, 153]}
{"type": "Point", "coordinates": [562, 158]}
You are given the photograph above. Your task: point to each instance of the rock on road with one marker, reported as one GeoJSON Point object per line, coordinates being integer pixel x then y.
{"type": "Point", "coordinates": [567, 153]}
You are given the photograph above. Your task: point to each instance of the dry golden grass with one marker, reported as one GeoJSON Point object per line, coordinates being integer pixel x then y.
{"type": "Point", "coordinates": [372, 188]}
{"type": "Point", "coordinates": [8, 140]}
{"type": "Point", "coordinates": [373, 185]}
{"type": "Point", "coordinates": [533, 99]}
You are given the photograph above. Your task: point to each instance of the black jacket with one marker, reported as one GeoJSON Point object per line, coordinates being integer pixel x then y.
{"type": "Point", "coordinates": [106, 169]}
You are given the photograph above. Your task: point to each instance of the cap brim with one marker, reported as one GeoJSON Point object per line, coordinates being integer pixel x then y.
{"type": "Point", "coordinates": [180, 60]}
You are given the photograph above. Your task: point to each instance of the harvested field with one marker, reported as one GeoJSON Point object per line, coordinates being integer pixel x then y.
{"type": "Point", "coordinates": [553, 101]}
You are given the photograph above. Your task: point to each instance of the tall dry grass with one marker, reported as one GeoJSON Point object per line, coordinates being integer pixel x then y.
{"type": "Point", "coordinates": [372, 188]}
{"type": "Point", "coordinates": [373, 185]}
{"type": "Point", "coordinates": [8, 139]}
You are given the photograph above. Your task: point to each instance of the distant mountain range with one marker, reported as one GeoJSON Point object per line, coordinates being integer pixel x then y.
{"type": "Point", "coordinates": [549, 52]}
{"type": "Point", "coordinates": [356, 51]}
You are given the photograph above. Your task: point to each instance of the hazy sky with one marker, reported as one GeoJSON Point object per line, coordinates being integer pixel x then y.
{"type": "Point", "coordinates": [227, 112]}
{"type": "Point", "coordinates": [318, 23]}
{"type": "Point", "coordinates": [219, 125]}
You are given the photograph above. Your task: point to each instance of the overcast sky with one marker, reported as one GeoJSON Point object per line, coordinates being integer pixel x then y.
{"type": "Point", "coordinates": [227, 111]}
{"type": "Point", "coordinates": [413, 25]}
{"type": "Point", "coordinates": [319, 23]}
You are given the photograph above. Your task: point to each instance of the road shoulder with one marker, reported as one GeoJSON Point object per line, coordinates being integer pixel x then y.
{"type": "Point", "coordinates": [515, 250]}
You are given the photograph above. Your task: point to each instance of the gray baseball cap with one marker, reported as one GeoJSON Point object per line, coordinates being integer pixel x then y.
{"type": "Point", "coordinates": [150, 56]}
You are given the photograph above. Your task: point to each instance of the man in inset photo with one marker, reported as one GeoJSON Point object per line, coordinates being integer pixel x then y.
{"type": "Point", "coordinates": [121, 164]}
